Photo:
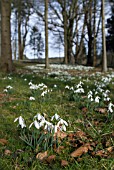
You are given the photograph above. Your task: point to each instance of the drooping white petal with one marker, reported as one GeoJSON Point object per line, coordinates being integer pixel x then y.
{"type": "Point", "coordinates": [37, 125]}
{"type": "Point", "coordinates": [16, 119]}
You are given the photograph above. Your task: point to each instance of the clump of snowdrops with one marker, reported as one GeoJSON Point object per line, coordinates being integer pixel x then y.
{"type": "Point", "coordinates": [41, 134]}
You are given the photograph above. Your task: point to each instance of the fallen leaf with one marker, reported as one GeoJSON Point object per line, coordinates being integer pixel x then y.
{"type": "Point", "coordinates": [50, 158]}
{"type": "Point", "coordinates": [81, 134]}
{"type": "Point", "coordinates": [3, 141]}
{"type": "Point", "coordinates": [81, 150]}
{"type": "Point", "coordinates": [64, 163]}
{"type": "Point", "coordinates": [101, 153]}
{"type": "Point", "coordinates": [42, 155]}
{"type": "Point", "coordinates": [61, 135]}
{"type": "Point", "coordinates": [59, 149]}
{"type": "Point", "coordinates": [110, 149]}
{"type": "Point", "coordinates": [84, 109]}
{"type": "Point", "coordinates": [101, 110]}
{"type": "Point", "coordinates": [7, 152]}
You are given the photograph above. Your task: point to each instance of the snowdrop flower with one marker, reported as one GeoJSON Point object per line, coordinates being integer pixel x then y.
{"type": "Point", "coordinates": [72, 88]}
{"type": "Point", "coordinates": [39, 117]}
{"type": "Point", "coordinates": [55, 85]}
{"type": "Point", "coordinates": [30, 83]}
{"type": "Point", "coordinates": [21, 121]}
{"type": "Point", "coordinates": [36, 124]}
{"type": "Point", "coordinates": [5, 90]}
{"type": "Point", "coordinates": [80, 84]}
{"type": "Point", "coordinates": [110, 107]}
{"type": "Point", "coordinates": [90, 94]}
{"type": "Point", "coordinates": [31, 98]}
{"type": "Point", "coordinates": [80, 90]}
{"type": "Point", "coordinates": [25, 79]}
{"type": "Point", "coordinates": [62, 124]}
{"type": "Point", "coordinates": [49, 126]}
{"type": "Point", "coordinates": [107, 99]}
{"type": "Point", "coordinates": [10, 78]}
{"type": "Point", "coordinates": [9, 87]}
{"type": "Point", "coordinates": [43, 93]}
{"type": "Point", "coordinates": [97, 99]}
{"type": "Point", "coordinates": [67, 87]}
{"type": "Point", "coordinates": [56, 116]}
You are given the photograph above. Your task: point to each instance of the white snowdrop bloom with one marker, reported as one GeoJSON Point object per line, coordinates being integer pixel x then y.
{"type": "Point", "coordinates": [21, 121]}
{"type": "Point", "coordinates": [25, 79]}
{"type": "Point", "coordinates": [5, 90]}
{"type": "Point", "coordinates": [36, 124]}
{"type": "Point", "coordinates": [72, 88]}
{"type": "Point", "coordinates": [62, 122]}
{"type": "Point", "coordinates": [63, 127]}
{"type": "Point", "coordinates": [30, 83]}
{"type": "Point", "coordinates": [48, 126]}
{"type": "Point", "coordinates": [91, 99]}
{"type": "Point", "coordinates": [55, 86]}
{"type": "Point", "coordinates": [56, 116]}
{"type": "Point", "coordinates": [10, 78]}
{"type": "Point", "coordinates": [55, 128]}
{"type": "Point", "coordinates": [9, 87]}
{"type": "Point", "coordinates": [90, 94]}
{"type": "Point", "coordinates": [39, 117]}
{"type": "Point", "coordinates": [110, 107]}
{"type": "Point", "coordinates": [31, 98]}
{"type": "Point", "coordinates": [96, 92]}
{"type": "Point", "coordinates": [107, 99]}
{"type": "Point", "coordinates": [80, 84]}
{"type": "Point", "coordinates": [80, 90]}
{"type": "Point", "coordinates": [97, 99]}
{"type": "Point", "coordinates": [43, 93]}
{"type": "Point", "coordinates": [67, 87]}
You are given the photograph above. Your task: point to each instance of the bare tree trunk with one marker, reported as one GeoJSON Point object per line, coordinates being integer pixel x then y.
{"type": "Point", "coordinates": [0, 31]}
{"type": "Point", "coordinates": [46, 35]}
{"type": "Point", "coordinates": [65, 33]}
{"type": "Point", "coordinates": [104, 57]}
{"type": "Point", "coordinates": [6, 54]}
{"type": "Point", "coordinates": [94, 41]}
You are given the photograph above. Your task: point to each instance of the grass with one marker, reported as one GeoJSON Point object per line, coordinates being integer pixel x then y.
{"type": "Point", "coordinates": [98, 127]}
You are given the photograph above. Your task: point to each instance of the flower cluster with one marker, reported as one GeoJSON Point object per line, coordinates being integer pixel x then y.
{"type": "Point", "coordinates": [39, 121]}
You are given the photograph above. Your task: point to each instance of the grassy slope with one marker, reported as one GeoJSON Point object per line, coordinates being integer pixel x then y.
{"type": "Point", "coordinates": [17, 103]}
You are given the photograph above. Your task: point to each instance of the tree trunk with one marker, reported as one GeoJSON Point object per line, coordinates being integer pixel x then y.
{"type": "Point", "coordinates": [104, 57]}
{"type": "Point", "coordinates": [0, 31]}
{"type": "Point", "coordinates": [94, 41]}
{"type": "Point", "coordinates": [65, 33]}
{"type": "Point", "coordinates": [46, 35]}
{"type": "Point", "coordinates": [6, 54]}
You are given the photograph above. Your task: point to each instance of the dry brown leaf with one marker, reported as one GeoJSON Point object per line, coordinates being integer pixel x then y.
{"type": "Point", "coordinates": [3, 141]}
{"type": "Point", "coordinates": [42, 155]}
{"type": "Point", "coordinates": [102, 110]}
{"type": "Point", "coordinates": [81, 134]}
{"type": "Point", "coordinates": [7, 152]}
{"type": "Point", "coordinates": [81, 150]}
{"type": "Point", "coordinates": [61, 135]}
{"type": "Point", "coordinates": [59, 149]}
{"type": "Point", "coordinates": [64, 163]}
{"type": "Point", "coordinates": [84, 109]}
{"type": "Point", "coordinates": [50, 158]}
{"type": "Point", "coordinates": [110, 149]}
{"type": "Point", "coordinates": [101, 153]}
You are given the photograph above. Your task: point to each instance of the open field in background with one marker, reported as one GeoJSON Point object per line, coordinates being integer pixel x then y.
{"type": "Point", "coordinates": [82, 96]}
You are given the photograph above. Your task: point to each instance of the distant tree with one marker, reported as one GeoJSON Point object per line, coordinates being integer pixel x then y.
{"type": "Point", "coordinates": [46, 35]}
{"type": "Point", "coordinates": [36, 41]}
{"type": "Point", "coordinates": [110, 26]}
{"type": "Point", "coordinates": [6, 54]}
{"type": "Point", "coordinates": [0, 29]}
{"type": "Point", "coordinates": [104, 56]}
